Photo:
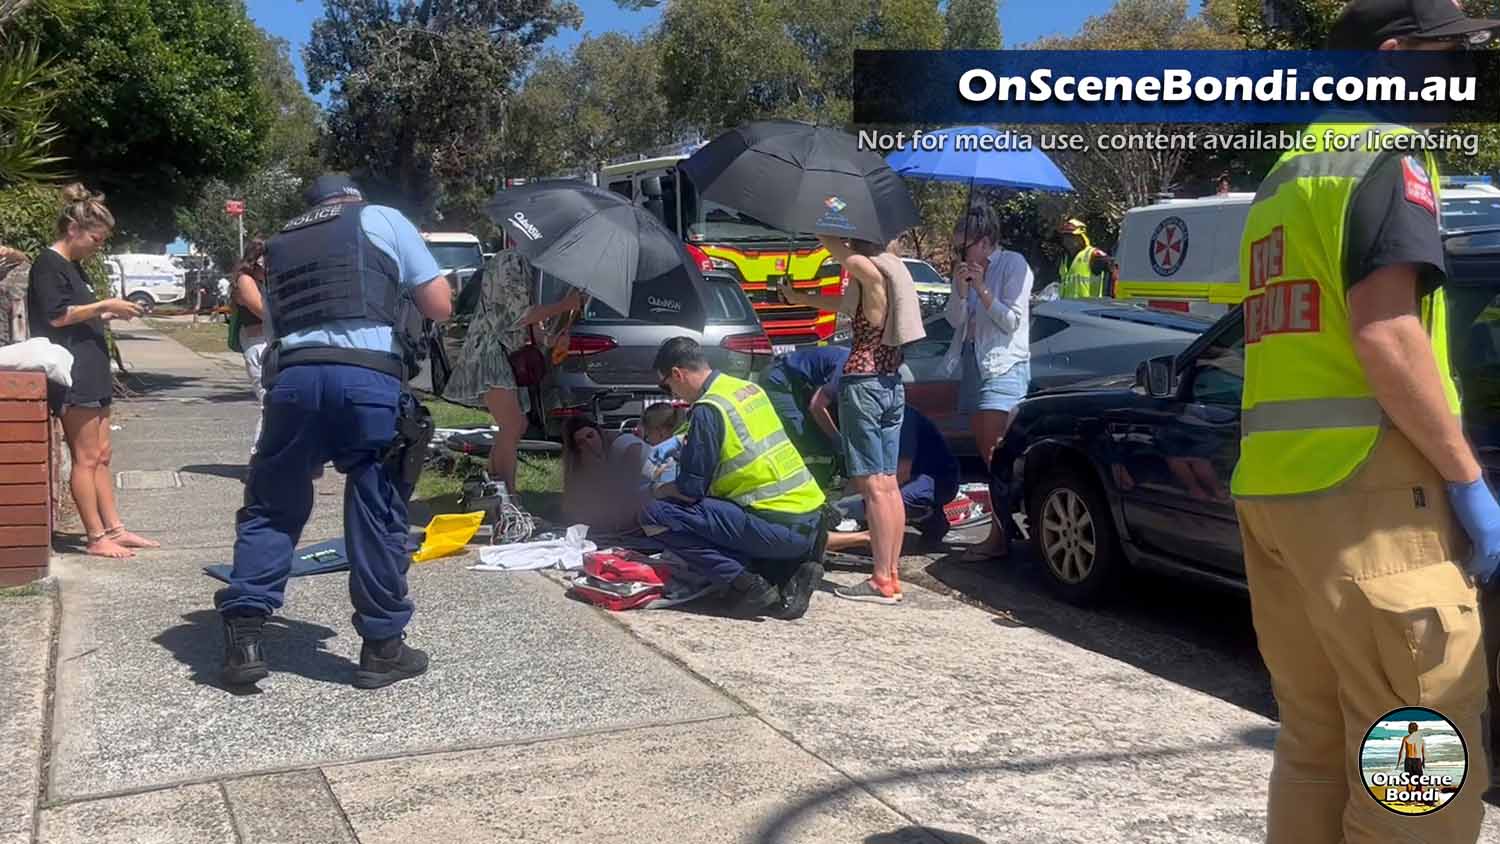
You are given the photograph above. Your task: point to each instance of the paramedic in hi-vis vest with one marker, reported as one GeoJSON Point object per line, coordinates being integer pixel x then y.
{"type": "Point", "coordinates": [1365, 518]}
{"type": "Point", "coordinates": [1084, 271]}
{"type": "Point", "coordinates": [744, 511]}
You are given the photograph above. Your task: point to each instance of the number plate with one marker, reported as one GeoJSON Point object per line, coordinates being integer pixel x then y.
{"type": "Point", "coordinates": [784, 348]}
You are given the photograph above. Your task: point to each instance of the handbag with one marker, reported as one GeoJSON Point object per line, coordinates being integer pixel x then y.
{"type": "Point", "coordinates": [234, 330]}
{"type": "Point", "coordinates": [527, 364]}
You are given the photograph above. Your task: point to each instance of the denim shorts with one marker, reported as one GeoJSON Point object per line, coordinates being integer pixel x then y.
{"type": "Point", "coordinates": [870, 410]}
{"type": "Point", "coordinates": [977, 391]}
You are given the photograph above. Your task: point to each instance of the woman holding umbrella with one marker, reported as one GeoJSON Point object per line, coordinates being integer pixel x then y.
{"type": "Point", "coordinates": [482, 375]}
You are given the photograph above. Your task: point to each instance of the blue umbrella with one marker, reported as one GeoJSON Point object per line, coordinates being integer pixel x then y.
{"type": "Point", "coordinates": [956, 161]}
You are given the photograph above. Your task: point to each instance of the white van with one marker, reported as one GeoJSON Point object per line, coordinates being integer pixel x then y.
{"type": "Point", "coordinates": [1183, 254]}
{"type": "Point", "coordinates": [147, 280]}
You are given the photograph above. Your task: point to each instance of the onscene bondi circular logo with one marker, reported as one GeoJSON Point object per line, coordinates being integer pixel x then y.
{"type": "Point", "coordinates": [1413, 761]}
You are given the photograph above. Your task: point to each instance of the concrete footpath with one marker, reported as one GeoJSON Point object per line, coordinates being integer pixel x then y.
{"type": "Point", "coordinates": [546, 720]}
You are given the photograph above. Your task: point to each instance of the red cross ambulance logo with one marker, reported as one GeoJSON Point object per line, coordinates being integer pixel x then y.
{"type": "Point", "coordinates": [1169, 246]}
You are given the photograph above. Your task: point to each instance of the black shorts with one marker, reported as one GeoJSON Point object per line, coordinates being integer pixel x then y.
{"type": "Point", "coordinates": [60, 398]}
{"type": "Point", "coordinates": [1414, 767]}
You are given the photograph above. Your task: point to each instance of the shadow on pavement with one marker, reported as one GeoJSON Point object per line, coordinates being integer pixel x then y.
{"type": "Point", "coordinates": [921, 835]}
{"type": "Point", "coordinates": [235, 471]}
{"type": "Point", "coordinates": [779, 829]}
{"type": "Point", "coordinates": [290, 647]}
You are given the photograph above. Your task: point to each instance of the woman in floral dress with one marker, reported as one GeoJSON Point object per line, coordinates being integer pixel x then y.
{"type": "Point", "coordinates": [482, 375]}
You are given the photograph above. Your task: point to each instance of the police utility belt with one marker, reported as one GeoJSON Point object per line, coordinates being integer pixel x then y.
{"type": "Point", "coordinates": [276, 358]}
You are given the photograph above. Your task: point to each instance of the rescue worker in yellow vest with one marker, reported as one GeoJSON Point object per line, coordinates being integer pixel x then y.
{"type": "Point", "coordinates": [1365, 519]}
{"type": "Point", "coordinates": [744, 511]}
{"type": "Point", "coordinates": [1085, 272]}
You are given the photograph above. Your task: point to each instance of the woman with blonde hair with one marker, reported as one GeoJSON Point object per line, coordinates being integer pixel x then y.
{"type": "Point", "coordinates": [62, 308]}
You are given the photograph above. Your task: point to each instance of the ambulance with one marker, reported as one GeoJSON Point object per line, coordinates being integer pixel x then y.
{"type": "Point", "coordinates": [1183, 254]}
{"type": "Point", "coordinates": [147, 280]}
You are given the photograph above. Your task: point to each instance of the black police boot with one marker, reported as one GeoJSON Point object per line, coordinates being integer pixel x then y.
{"type": "Point", "coordinates": [386, 661]}
{"type": "Point", "coordinates": [807, 577]}
{"type": "Point", "coordinates": [244, 665]}
{"type": "Point", "coordinates": [752, 596]}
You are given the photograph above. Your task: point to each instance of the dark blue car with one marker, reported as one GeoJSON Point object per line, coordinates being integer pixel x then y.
{"type": "Point", "coordinates": [1123, 471]}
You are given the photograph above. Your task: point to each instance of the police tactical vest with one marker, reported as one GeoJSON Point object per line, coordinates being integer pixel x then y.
{"type": "Point", "coordinates": [1309, 418]}
{"type": "Point", "coordinates": [759, 468]}
{"type": "Point", "coordinates": [322, 267]}
{"type": "Point", "coordinates": [1078, 280]}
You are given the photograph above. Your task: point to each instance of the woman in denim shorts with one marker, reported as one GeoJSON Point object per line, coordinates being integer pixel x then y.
{"type": "Point", "coordinates": [990, 310]}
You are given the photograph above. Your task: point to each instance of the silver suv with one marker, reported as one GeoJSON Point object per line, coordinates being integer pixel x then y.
{"type": "Point", "coordinates": [608, 372]}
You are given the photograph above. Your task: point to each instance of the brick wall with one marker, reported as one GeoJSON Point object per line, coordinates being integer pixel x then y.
{"type": "Point", "coordinates": [26, 477]}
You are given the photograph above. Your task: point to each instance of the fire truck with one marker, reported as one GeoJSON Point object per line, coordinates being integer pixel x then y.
{"type": "Point", "coordinates": [735, 244]}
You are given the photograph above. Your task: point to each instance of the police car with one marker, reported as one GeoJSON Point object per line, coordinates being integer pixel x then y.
{"type": "Point", "coordinates": [1183, 254]}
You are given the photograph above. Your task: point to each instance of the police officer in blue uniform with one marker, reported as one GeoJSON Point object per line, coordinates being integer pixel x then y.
{"type": "Point", "coordinates": [345, 282]}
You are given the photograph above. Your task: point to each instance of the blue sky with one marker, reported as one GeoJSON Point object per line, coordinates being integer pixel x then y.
{"type": "Point", "coordinates": [1021, 20]}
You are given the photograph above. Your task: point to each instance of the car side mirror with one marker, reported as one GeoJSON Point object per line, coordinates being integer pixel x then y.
{"type": "Point", "coordinates": [1155, 376]}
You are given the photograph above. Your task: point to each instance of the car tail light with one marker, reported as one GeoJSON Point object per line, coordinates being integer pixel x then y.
{"type": "Point", "coordinates": [1169, 305]}
{"type": "Point", "coordinates": [705, 264]}
{"type": "Point", "coordinates": [569, 410]}
{"type": "Point", "coordinates": [756, 343]}
{"type": "Point", "coordinates": [589, 344]}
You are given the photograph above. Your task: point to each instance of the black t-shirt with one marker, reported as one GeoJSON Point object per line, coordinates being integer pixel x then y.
{"type": "Point", "coordinates": [55, 285]}
{"type": "Point", "coordinates": [1393, 219]}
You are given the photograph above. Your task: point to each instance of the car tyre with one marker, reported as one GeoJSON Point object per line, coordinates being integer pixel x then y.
{"type": "Point", "coordinates": [1073, 534]}
{"type": "Point", "coordinates": [145, 302]}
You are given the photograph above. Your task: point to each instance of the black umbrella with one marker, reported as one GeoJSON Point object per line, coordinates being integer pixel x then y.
{"type": "Point", "coordinates": [598, 241]}
{"type": "Point", "coordinates": [803, 178]}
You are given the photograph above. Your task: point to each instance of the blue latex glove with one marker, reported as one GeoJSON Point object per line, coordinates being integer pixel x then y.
{"type": "Point", "coordinates": [1475, 506]}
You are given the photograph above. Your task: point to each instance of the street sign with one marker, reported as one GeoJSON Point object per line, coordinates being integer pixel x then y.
{"type": "Point", "coordinates": [234, 207]}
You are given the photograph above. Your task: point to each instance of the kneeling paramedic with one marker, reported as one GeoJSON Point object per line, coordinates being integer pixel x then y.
{"type": "Point", "coordinates": [744, 511]}
{"type": "Point", "coordinates": [1365, 517]}
{"type": "Point", "coordinates": [342, 280]}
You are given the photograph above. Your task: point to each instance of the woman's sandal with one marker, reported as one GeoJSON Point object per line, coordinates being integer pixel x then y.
{"type": "Point", "coordinates": [126, 539]}
{"type": "Point", "coordinates": [103, 545]}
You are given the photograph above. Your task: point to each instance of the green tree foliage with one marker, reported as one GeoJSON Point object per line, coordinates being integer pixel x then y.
{"type": "Point", "coordinates": [28, 133]}
{"type": "Point", "coordinates": [972, 25]}
{"type": "Point", "coordinates": [602, 101]}
{"type": "Point", "coordinates": [416, 90]}
{"type": "Point", "coordinates": [161, 96]}
{"type": "Point", "coordinates": [728, 61]}
{"type": "Point", "coordinates": [272, 195]}
{"type": "Point", "coordinates": [292, 139]}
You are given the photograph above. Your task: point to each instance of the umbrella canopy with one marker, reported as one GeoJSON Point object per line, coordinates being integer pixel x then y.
{"type": "Point", "coordinates": [803, 178]}
{"type": "Point", "coordinates": [956, 161]}
{"type": "Point", "coordinates": [599, 241]}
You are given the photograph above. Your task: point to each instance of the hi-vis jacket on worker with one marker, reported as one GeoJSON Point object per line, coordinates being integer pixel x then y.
{"type": "Point", "coordinates": [759, 468]}
{"type": "Point", "coordinates": [1083, 273]}
{"type": "Point", "coordinates": [1309, 417]}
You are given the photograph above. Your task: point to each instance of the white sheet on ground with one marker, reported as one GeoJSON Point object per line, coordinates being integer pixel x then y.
{"type": "Point", "coordinates": [566, 553]}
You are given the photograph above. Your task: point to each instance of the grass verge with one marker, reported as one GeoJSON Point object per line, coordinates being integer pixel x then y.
{"type": "Point", "coordinates": [202, 337]}
{"type": "Point", "coordinates": [448, 415]}
{"type": "Point", "coordinates": [24, 591]}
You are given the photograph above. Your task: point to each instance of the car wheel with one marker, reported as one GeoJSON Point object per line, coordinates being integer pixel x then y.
{"type": "Point", "coordinates": [1074, 535]}
{"type": "Point", "coordinates": [145, 302]}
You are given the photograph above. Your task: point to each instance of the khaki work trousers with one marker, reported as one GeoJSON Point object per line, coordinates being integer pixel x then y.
{"type": "Point", "coordinates": [1361, 607]}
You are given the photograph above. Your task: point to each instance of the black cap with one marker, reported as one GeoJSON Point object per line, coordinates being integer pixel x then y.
{"type": "Point", "coordinates": [331, 186]}
{"type": "Point", "coordinates": [1366, 24]}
